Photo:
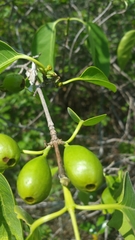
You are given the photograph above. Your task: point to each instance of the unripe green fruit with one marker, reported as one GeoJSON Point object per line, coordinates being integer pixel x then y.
{"type": "Point", "coordinates": [34, 181]}
{"type": "Point", "coordinates": [9, 152]}
{"type": "Point", "coordinates": [83, 168]}
{"type": "Point", "coordinates": [13, 83]}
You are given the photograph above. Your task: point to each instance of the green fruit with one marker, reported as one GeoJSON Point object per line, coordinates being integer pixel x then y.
{"type": "Point", "coordinates": [35, 181]}
{"type": "Point", "coordinates": [13, 83]}
{"type": "Point", "coordinates": [9, 152]}
{"type": "Point", "coordinates": [83, 168]}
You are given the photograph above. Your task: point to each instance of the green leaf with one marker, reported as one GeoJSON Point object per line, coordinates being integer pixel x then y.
{"type": "Point", "coordinates": [22, 214]}
{"type": "Point", "coordinates": [5, 233]}
{"type": "Point", "coordinates": [73, 115]}
{"type": "Point", "coordinates": [95, 76]}
{"type": "Point", "coordinates": [120, 223]}
{"type": "Point", "coordinates": [97, 44]}
{"type": "Point", "coordinates": [94, 120]}
{"type": "Point", "coordinates": [124, 219]}
{"type": "Point", "coordinates": [10, 222]}
{"type": "Point", "coordinates": [107, 198]}
{"type": "Point", "coordinates": [7, 56]}
{"type": "Point", "coordinates": [54, 170]}
{"type": "Point", "coordinates": [44, 44]}
{"type": "Point", "coordinates": [84, 197]}
{"type": "Point", "coordinates": [125, 47]}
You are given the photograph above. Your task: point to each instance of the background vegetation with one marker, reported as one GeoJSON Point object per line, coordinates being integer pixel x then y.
{"type": "Point", "coordinates": [21, 114]}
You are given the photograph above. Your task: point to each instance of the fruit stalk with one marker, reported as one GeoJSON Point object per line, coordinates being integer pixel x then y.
{"type": "Point", "coordinates": [45, 219]}
{"type": "Point", "coordinates": [54, 138]}
{"type": "Point", "coordinates": [75, 132]}
{"type": "Point", "coordinates": [70, 205]}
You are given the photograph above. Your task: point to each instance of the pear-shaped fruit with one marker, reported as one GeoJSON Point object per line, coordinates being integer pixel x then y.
{"type": "Point", "coordinates": [9, 152]}
{"type": "Point", "coordinates": [34, 181]}
{"type": "Point", "coordinates": [83, 168]}
{"type": "Point", "coordinates": [13, 83]}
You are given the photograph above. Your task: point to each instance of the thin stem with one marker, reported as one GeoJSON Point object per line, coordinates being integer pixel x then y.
{"type": "Point", "coordinates": [54, 138]}
{"type": "Point", "coordinates": [70, 19]}
{"type": "Point", "coordinates": [69, 202]}
{"type": "Point", "coordinates": [46, 111]}
{"type": "Point", "coordinates": [58, 156]}
{"type": "Point", "coordinates": [74, 224]}
{"type": "Point", "coordinates": [44, 219]}
{"type": "Point", "coordinates": [23, 56]}
{"type": "Point", "coordinates": [76, 131]}
{"type": "Point", "coordinates": [32, 152]}
{"type": "Point", "coordinates": [99, 207]}
{"type": "Point", "coordinates": [46, 151]}
{"type": "Point", "coordinates": [104, 11]}
{"type": "Point", "coordinates": [70, 80]}
{"type": "Point", "coordinates": [70, 205]}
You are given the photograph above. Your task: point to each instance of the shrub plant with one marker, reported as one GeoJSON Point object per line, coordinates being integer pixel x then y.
{"type": "Point", "coordinates": [78, 165]}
